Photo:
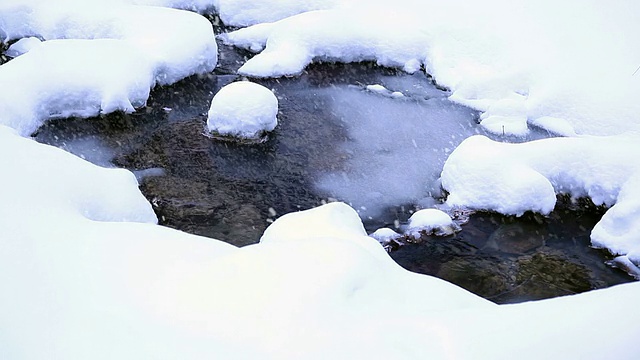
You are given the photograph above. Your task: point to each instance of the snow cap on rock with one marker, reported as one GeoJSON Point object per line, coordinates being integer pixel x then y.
{"type": "Point", "coordinates": [432, 222]}
{"type": "Point", "coordinates": [243, 109]}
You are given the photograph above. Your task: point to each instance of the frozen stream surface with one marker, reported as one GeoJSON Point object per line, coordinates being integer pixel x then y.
{"type": "Point", "coordinates": [337, 138]}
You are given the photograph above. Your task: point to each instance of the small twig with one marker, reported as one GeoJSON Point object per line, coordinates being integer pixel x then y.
{"type": "Point", "coordinates": [636, 71]}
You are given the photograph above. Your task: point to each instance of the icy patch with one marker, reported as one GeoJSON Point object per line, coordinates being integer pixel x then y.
{"type": "Point", "coordinates": [431, 222]}
{"type": "Point", "coordinates": [243, 109]}
{"type": "Point", "coordinates": [396, 149]}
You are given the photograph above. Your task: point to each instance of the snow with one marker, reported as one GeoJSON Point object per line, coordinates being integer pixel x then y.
{"type": "Point", "coordinates": [101, 58]}
{"type": "Point", "coordinates": [287, 52]}
{"type": "Point", "coordinates": [385, 235]}
{"type": "Point", "coordinates": [431, 221]}
{"type": "Point", "coordinates": [538, 71]}
{"type": "Point", "coordinates": [22, 46]}
{"type": "Point", "coordinates": [243, 109]}
{"type": "Point", "coordinates": [379, 89]}
{"type": "Point", "coordinates": [83, 265]}
{"type": "Point", "coordinates": [514, 178]}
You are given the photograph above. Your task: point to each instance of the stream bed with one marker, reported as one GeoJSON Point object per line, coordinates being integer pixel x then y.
{"type": "Point", "coordinates": [338, 140]}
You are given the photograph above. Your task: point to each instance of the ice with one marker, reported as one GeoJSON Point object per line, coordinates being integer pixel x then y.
{"type": "Point", "coordinates": [396, 147]}
{"type": "Point", "coordinates": [243, 109]}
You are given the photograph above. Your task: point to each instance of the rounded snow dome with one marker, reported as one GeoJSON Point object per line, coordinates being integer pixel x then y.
{"type": "Point", "coordinates": [243, 109]}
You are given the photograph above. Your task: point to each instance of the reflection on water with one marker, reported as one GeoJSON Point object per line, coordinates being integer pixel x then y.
{"type": "Point", "coordinates": [335, 139]}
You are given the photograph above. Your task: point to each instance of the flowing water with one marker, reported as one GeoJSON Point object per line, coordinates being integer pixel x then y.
{"type": "Point", "coordinates": [336, 139]}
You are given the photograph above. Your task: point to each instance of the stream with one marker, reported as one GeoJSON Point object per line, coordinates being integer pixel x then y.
{"type": "Point", "coordinates": [337, 140]}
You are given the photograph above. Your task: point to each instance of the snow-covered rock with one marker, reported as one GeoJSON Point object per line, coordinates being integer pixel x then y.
{"type": "Point", "coordinates": [379, 89]}
{"type": "Point", "coordinates": [388, 238]}
{"type": "Point", "coordinates": [431, 222]}
{"type": "Point", "coordinates": [101, 57]}
{"type": "Point", "coordinates": [514, 178]}
{"type": "Point", "coordinates": [22, 46]}
{"type": "Point", "coordinates": [244, 110]}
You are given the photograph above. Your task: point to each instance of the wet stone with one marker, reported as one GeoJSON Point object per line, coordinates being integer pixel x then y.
{"type": "Point", "coordinates": [488, 277]}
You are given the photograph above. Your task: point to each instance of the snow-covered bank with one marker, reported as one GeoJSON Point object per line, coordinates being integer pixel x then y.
{"type": "Point", "coordinates": [160, 293]}
{"type": "Point", "coordinates": [514, 178]}
{"type": "Point", "coordinates": [100, 57]}
{"type": "Point", "coordinates": [518, 68]}
{"type": "Point", "coordinates": [85, 273]}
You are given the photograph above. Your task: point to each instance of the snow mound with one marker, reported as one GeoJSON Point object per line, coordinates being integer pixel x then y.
{"type": "Point", "coordinates": [293, 43]}
{"type": "Point", "coordinates": [243, 109]}
{"type": "Point", "coordinates": [22, 46]}
{"type": "Point", "coordinates": [514, 178]}
{"type": "Point", "coordinates": [431, 222]}
{"type": "Point", "coordinates": [388, 238]}
{"type": "Point", "coordinates": [48, 183]}
{"type": "Point", "coordinates": [101, 57]}
{"type": "Point", "coordinates": [384, 235]}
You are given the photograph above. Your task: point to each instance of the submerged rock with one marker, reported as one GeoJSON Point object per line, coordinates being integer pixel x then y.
{"type": "Point", "coordinates": [516, 238]}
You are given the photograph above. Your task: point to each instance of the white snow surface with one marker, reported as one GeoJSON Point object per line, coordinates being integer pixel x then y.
{"type": "Point", "coordinates": [431, 221]}
{"type": "Point", "coordinates": [514, 178]}
{"type": "Point", "coordinates": [243, 109]}
{"type": "Point", "coordinates": [100, 56]}
{"type": "Point", "coordinates": [86, 274]}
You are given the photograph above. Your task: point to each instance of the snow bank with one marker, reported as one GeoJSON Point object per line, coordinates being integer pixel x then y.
{"type": "Point", "coordinates": [243, 109]}
{"type": "Point", "coordinates": [517, 69]}
{"type": "Point", "coordinates": [288, 51]}
{"type": "Point", "coordinates": [160, 293]}
{"type": "Point", "coordinates": [40, 183]}
{"type": "Point", "coordinates": [514, 178]}
{"type": "Point", "coordinates": [106, 57]}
